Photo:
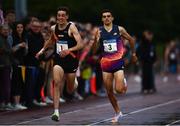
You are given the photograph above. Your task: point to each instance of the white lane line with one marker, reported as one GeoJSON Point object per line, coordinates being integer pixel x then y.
{"type": "Point", "coordinates": [70, 112]}
{"type": "Point", "coordinates": [47, 117]}
{"type": "Point", "coordinates": [140, 110]}
{"type": "Point", "coordinates": [172, 123]}
{"type": "Point", "coordinates": [95, 107]}
{"type": "Point", "coordinates": [66, 113]}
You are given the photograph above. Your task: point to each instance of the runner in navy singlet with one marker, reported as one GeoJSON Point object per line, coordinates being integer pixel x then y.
{"type": "Point", "coordinates": [109, 38]}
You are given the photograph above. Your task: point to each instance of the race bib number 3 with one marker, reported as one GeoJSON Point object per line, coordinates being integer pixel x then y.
{"type": "Point", "coordinates": [61, 45]}
{"type": "Point", "coordinates": [110, 45]}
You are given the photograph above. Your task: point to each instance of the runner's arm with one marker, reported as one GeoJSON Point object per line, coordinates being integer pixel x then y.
{"type": "Point", "coordinates": [95, 39]}
{"type": "Point", "coordinates": [126, 36]}
{"type": "Point", "coordinates": [47, 43]}
{"type": "Point", "coordinates": [75, 33]}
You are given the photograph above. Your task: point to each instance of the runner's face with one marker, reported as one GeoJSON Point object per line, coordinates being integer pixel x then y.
{"type": "Point", "coordinates": [107, 18]}
{"type": "Point", "coordinates": [62, 17]}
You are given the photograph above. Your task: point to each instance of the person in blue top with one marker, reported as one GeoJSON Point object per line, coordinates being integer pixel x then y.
{"type": "Point", "coordinates": [109, 39]}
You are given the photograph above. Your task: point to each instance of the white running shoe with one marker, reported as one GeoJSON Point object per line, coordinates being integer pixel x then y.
{"type": "Point", "coordinates": [62, 100]}
{"type": "Point", "coordinates": [48, 100]}
{"type": "Point", "coordinates": [78, 96]}
{"type": "Point", "coordinates": [19, 107]}
{"type": "Point", "coordinates": [116, 117]}
{"type": "Point", "coordinates": [9, 106]}
{"type": "Point", "coordinates": [39, 103]}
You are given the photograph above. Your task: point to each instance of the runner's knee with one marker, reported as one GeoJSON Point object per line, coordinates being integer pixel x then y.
{"type": "Point", "coordinates": [120, 89]}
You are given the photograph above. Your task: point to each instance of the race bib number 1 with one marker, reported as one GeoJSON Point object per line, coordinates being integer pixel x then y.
{"type": "Point", "coordinates": [110, 45]}
{"type": "Point", "coordinates": [61, 45]}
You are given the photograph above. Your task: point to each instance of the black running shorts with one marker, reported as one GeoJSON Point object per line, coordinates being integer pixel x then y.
{"type": "Point", "coordinates": [69, 64]}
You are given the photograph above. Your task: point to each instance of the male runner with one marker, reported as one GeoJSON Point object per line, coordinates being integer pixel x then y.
{"type": "Point", "coordinates": [109, 39]}
{"type": "Point", "coordinates": [67, 42]}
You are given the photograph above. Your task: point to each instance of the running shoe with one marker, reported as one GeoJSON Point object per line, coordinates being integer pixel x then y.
{"type": "Point", "coordinates": [9, 106]}
{"type": "Point", "coordinates": [48, 100]}
{"type": "Point", "coordinates": [19, 107]}
{"type": "Point", "coordinates": [62, 100]}
{"type": "Point", "coordinates": [116, 117]}
{"type": "Point", "coordinates": [35, 102]}
{"type": "Point", "coordinates": [78, 96]}
{"type": "Point", "coordinates": [55, 117]}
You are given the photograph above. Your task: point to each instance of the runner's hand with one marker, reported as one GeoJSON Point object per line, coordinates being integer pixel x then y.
{"type": "Point", "coordinates": [64, 53]}
{"type": "Point", "coordinates": [39, 53]}
{"type": "Point", "coordinates": [134, 58]}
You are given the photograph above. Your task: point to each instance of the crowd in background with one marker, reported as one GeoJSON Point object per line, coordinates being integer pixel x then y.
{"type": "Point", "coordinates": [26, 82]}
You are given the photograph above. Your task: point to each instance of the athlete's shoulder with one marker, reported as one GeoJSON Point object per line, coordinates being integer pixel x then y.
{"type": "Point", "coordinates": [72, 24]}
{"type": "Point", "coordinates": [121, 29]}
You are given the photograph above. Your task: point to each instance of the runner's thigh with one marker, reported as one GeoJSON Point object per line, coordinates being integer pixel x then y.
{"type": "Point", "coordinates": [119, 77]}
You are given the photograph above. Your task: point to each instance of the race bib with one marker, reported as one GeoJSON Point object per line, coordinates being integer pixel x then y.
{"type": "Point", "coordinates": [61, 45]}
{"type": "Point", "coordinates": [110, 45]}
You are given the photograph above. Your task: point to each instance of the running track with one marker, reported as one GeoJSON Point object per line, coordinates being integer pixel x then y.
{"type": "Point", "coordinates": [161, 108]}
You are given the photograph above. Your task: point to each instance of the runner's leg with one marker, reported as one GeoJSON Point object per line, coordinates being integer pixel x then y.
{"type": "Point", "coordinates": [108, 82]}
{"type": "Point", "coordinates": [58, 74]}
{"type": "Point", "coordinates": [70, 80]}
{"type": "Point", "coordinates": [120, 84]}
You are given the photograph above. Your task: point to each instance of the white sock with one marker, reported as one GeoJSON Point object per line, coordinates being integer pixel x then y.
{"type": "Point", "coordinates": [56, 111]}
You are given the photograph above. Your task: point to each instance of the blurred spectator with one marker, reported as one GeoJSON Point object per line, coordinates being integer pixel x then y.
{"type": "Point", "coordinates": [147, 57]}
{"type": "Point", "coordinates": [86, 75]}
{"type": "Point", "coordinates": [10, 18]}
{"type": "Point", "coordinates": [171, 60]}
{"type": "Point", "coordinates": [171, 57]}
{"type": "Point", "coordinates": [19, 47]}
{"type": "Point", "coordinates": [178, 69]}
{"type": "Point", "coordinates": [52, 20]}
{"type": "Point", "coordinates": [136, 66]}
{"type": "Point", "coordinates": [95, 62]}
{"type": "Point", "coordinates": [35, 73]}
{"type": "Point", "coordinates": [1, 17]}
{"type": "Point", "coordinates": [5, 68]}
{"type": "Point", "coordinates": [48, 65]}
